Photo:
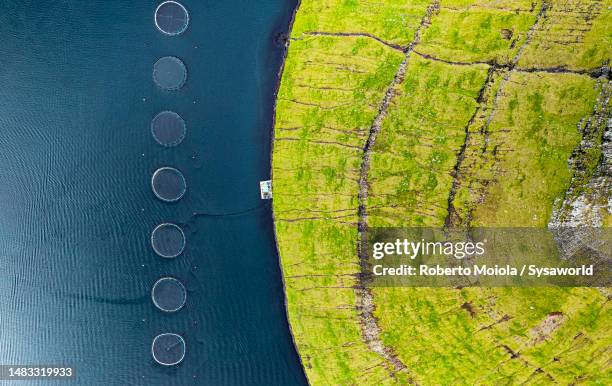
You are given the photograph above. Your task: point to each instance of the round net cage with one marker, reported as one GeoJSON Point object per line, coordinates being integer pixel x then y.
{"type": "Point", "coordinates": [171, 18]}
{"type": "Point", "coordinates": [169, 73]}
{"type": "Point", "coordinates": [168, 128]}
{"type": "Point", "coordinates": [168, 240]}
{"type": "Point", "coordinates": [168, 349]}
{"type": "Point", "coordinates": [168, 184]}
{"type": "Point", "coordinates": [169, 294]}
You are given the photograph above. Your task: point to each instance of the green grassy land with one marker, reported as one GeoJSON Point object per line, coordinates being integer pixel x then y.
{"type": "Point", "coordinates": [328, 98]}
{"type": "Point", "coordinates": [479, 96]}
{"type": "Point", "coordinates": [416, 149]}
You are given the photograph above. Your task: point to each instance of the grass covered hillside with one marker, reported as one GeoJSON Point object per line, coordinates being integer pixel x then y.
{"type": "Point", "coordinates": [453, 113]}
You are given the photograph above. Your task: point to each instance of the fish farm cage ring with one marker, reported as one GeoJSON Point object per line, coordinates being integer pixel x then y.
{"type": "Point", "coordinates": [168, 128]}
{"type": "Point", "coordinates": [168, 184]}
{"type": "Point", "coordinates": [171, 18]}
{"type": "Point", "coordinates": [168, 349]}
{"type": "Point", "coordinates": [168, 240]}
{"type": "Point", "coordinates": [169, 294]}
{"type": "Point", "coordinates": [169, 73]}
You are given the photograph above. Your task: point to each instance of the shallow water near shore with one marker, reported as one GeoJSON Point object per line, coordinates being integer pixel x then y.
{"type": "Point", "coordinates": [77, 209]}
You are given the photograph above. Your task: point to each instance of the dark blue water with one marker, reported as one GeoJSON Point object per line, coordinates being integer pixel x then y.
{"type": "Point", "coordinates": [76, 207]}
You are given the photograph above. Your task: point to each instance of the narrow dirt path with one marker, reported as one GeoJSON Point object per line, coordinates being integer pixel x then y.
{"type": "Point", "coordinates": [369, 325]}
{"type": "Point", "coordinates": [453, 217]}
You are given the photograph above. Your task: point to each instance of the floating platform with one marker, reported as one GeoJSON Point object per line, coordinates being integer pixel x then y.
{"type": "Point", "coordinates": [265, 189]}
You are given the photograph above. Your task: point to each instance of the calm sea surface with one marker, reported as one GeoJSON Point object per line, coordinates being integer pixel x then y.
{"type": "Point", "coordinates": [76, 207]}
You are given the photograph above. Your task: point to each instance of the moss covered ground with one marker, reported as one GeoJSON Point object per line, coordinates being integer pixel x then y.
{"type": "Point", "coordinates": [477, 107]}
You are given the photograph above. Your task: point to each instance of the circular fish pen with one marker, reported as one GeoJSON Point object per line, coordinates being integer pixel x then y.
{"type": "Point", "coordinates": [171, 18]}
{"type": "Point", "coordinates": [168, 240]}
{"type": "Point", "coordinates": [169, 73]}
{"type": "Point", "coordinates": [168, 349]}
{"type": "Point", "coordinates": [168, 128]}
{"type": "Point", "coordinates": [169, 294]}
{"type": "Point", "coordinates": [168, 184]}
